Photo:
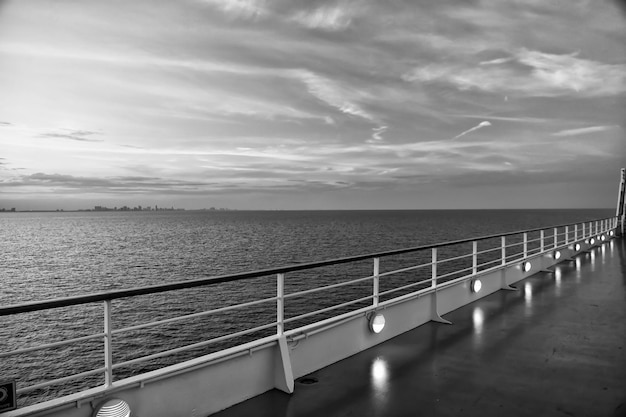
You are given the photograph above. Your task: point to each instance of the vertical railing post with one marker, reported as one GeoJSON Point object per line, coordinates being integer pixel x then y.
{"type": "Point", "coordinates": [566, 235]}
{"type": "Point", "coordinates": [556, 237]}
{"type": "Point", "coordinates": [108, 345]}
{"type": "Point", "coordinates": [433, 282]}
{"type": "Point", "coordinates": [280, 304]}
{"type": "Point", "coordinates": [525, 244]}
{"type": "Point", "coordinates": [575, 232]}
{"type": "Point", "coordinates": [542, 236]}
{"type": "Point", "coordinates": [474, 257]}
{"type": "Point", "coordinates": [503, 249]}
{"type": "Point", "coordinates": [376, 281]}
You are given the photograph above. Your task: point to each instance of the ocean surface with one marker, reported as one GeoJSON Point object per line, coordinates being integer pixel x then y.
{"type": "Point", "coordinates": [51, 255]}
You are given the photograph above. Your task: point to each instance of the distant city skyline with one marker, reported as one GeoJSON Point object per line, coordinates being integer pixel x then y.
{"type": "Point", "coordinates": [255, 104]}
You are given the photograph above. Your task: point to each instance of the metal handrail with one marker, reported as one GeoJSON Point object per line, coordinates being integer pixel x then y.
{"type": "Point", "coordinates": [153, 289]}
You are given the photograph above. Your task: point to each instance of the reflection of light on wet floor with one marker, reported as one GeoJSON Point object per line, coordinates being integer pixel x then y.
{"type": "Point", "coordinates": [380, 375]}
{"type": "Point", "coordinates": [528, 295]}
{"type": "Point", "coordinates": [558, 276]}
{"type": "Point", "coordinates": [478, 319]}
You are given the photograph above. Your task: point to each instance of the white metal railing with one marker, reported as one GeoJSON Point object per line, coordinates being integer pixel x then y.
{"type": "Point", "coordinates": [502, 250]}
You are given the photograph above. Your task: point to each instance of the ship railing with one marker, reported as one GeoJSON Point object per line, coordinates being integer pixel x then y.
{"type": "Point", "coordinates": [423, 269]}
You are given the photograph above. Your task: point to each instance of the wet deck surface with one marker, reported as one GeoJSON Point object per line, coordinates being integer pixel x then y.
{"type": "Point", "coordinates": [555, 347]}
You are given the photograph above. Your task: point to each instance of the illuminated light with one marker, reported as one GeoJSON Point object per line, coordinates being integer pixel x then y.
{"type": "Point", "coordinates": [526, 266]}
{"type": "Point", "coordinates": [602, 238]}
{"type": "Point", "coordinates": [113, 408]}
{"type": "Point", "coordinates": [587, 241]}
{"type": "Point", "coordinates": [556, 254]}
{"type": "Point", "coordinates": [476, 285]}
{"type": "Point", "coordinates": [592, 241]}
{"type": "Point", "coordinates": [611, 233]}
{"type": "Point", "coordinates": [377, 323]}
{"type": "Point", "coordinates": [577, 247]}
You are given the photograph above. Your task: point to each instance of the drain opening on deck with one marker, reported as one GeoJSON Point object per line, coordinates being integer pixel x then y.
{"type": "Point", "coordinates": [308, 380]}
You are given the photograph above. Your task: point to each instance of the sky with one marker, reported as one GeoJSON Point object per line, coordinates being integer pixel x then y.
{"type": "Point", "coordinates": [306, 104]}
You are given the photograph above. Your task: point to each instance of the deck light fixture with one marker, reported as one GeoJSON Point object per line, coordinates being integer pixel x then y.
{"type": "Point", "coordinates": [377, 323]}
{"type": "Point", "coordinates": [602, 237]}
{"type": "Point", "coordinates": [577, 247]}
{"type": "Point", "coordinates": [476, 285]}
{"type": "Point", "coordinates": [611, 233]}
{"type": "Point", "coordinates": [556, 255]}
{"type": "Point", "coordinates": [592, 241]}
{"type": "Point", "coordinates": [526, 266]}
{"type": "Point", "coordinates": [113, 407]}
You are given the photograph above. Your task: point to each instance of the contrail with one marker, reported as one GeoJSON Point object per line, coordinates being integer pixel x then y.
{"type": "Point", "coordinates": [481, 124]}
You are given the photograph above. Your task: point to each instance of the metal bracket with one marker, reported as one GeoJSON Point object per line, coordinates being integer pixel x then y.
{"type": "Point", "coordinates": [434, 314]}
{"type": "Point", "coordinates": [503, 283]}
{"type": "Point", "coordinates": [283, 374]}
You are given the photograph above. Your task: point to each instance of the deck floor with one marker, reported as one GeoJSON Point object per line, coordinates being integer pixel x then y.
{"type": "Point", "coordinates": [555, 347]}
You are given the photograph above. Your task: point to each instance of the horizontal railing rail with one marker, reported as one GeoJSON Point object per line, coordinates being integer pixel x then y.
{"type": "Point", "coordinates": [426, 274]}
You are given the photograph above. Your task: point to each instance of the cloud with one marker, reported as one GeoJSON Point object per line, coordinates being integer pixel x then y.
{"type": "Point", "coordinates": [78, 135]}
{"type": "Point", "coordinates": [478, 126]}
{"type": "Point", "coordinates": [530, 73]}
{"type": "Point", "coordinates": [329, 18]}
{"type": "Point", "coordinates": [583, 130]}
{"type": "Point", "coordinates": [333, 94]}
{"type": "Point", "coordinates": [5, 124]}
{"type": "Point", "coordinates": [378, 131]}
{"type": "Point", "coordinates": [246, 9]}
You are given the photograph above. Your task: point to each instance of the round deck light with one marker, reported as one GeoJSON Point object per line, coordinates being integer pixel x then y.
{"type": "Point", "coordinates": [592, 241]}
{"type": "Point", "coordinates": [602, 238]}
{"type": "Point", "coordinates": [556, 255]}
{"type": "Point", "coordinates": [611, 233]}
{"type": "Point", "coordinates": [476, 285]}
{"type": "Point", "coordinates": [526, 266]}
{"type": "Point", "coordinates": [377, 323]}
{"type": "Point", "coordinates": [113, 407]}
{"type": "Point", "coordinates": [577, 247]}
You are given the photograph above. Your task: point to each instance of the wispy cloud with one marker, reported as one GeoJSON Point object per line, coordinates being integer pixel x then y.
{"type": "Point", "coordinates": [77, 135]}
{"type": "Point", "coordinates": [333, 94]}
{"type": "Point", "coordinates": [531, 73]}
{"type": "Point", "coordinates": [478, 126]}
{"type": "Point", "coordinates": [247, 9]}
{"type": "Point", "coordinates": [326, 17]}
{"type": "Point", "coordinates": [583, 130]}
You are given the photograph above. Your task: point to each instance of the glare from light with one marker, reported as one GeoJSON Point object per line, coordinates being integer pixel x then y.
{"type": "Point", "coordinates": [113, 408]}
{"type": "Point", "coordinates": [602, 238]}
{"type": "Point", "coordinates": [611, 233]}
{"type": "Point", "coordinates": [577, 247]}
{"type": "Point", "coordinates": [592, 241]}
{"type": "Point", "coordinates": [476, 285]}
{"type": "Point", "coordinates": [556, 254]}
{"type": "Point", "coordinates": [526, 266]}
{"type": "Point", "coordinates": [377, 323]}
{"type": "Point", "coordinates": [558, 276]}
{"type": "Point", "coordinates": [528, 294]}
{"type": "Point", "coordinates": [478, 318]}
{"type": "Point", "coordinates": [379, 373]}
